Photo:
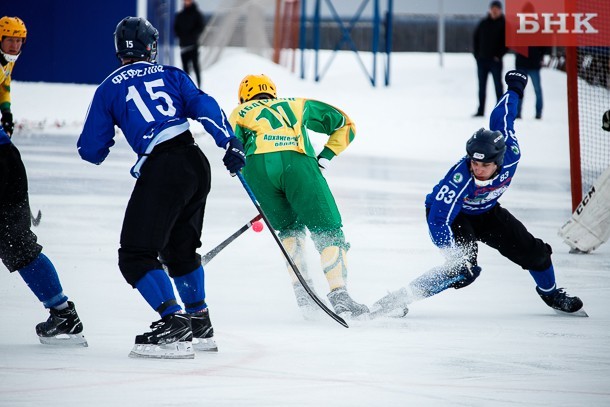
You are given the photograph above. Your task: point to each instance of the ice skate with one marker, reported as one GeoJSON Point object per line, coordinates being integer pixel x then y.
{"type": "Point", "coordinates": [171, 338]}
{"type": "Point", "coordinates": [344, 305]}
{"type": "Point", "coordinates": [562, 303]}
{"type": "Point", "coordinates": [394, 304]}
{"type": "Point", "coordinates": [203, 332]}
{"type": "Point", "coordinates": [307, 305]}
{"type": "Point", "coordinates": [63, 328]}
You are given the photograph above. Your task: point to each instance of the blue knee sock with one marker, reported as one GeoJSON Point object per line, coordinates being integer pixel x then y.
{"type": "Point", "coordinates": [545, 280]}
{"type": "Point", "coordinates": [157, 290]}
{"type": "Point", "coordinates": [191, 289]}
{"type": "Point", "coordinates": [41, 277]}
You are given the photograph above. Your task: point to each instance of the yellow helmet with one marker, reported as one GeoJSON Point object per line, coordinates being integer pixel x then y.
{"type": "Point", "coordinates": [12, 27]}
{"type": "Point", "coordinates": [253, 85]}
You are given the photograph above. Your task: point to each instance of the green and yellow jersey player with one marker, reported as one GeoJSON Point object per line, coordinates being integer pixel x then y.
{"type": "Point", "coordinates": [284, 172]}
{"type": "Point", "coordinates": [12, 37]}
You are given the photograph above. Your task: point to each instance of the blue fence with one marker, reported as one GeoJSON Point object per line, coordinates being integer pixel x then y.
{"type": "Point", "coordinates": [68, 40]}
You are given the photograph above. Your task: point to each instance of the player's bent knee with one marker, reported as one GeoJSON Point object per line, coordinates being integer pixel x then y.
{"type": "Point", "coordinates": [179, 268]}
{"type": "Point", "coordinates": [466, 276]}
{"type": "Point", "coordinates": [328, 238]}
{"type": "Point", "coordinates": [134, 263]}
{"type": "Point", "coordinates": [538, 260]}
{"type": "Point", "coordinates": [15, 258]}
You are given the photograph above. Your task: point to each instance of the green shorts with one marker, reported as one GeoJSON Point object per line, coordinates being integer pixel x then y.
{"type": "Point", "coordinates": [292, 192]}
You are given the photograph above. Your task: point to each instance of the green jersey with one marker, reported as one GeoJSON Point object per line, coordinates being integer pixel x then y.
{"type": "Point", "coordinates": [273, 125]}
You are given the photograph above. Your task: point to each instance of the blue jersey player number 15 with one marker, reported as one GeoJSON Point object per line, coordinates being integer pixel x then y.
{"type": "Point", "coordinates": [163, 222]}
{"type": "Point", "coordinates": [154, 95]}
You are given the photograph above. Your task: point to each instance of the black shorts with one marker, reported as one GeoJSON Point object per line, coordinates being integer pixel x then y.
{"type": "Point", "coordinates": [18, 244]}
{"type": "Point", "coordinates": [499, 229]}
{"type": "Point", "coordinates": [164, 216]}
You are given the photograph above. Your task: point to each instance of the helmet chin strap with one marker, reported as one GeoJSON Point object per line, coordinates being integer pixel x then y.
{"type": "Point", "coordinates": [484, 183]}
{"type": "Point", "coordinates": [480, 183]}
{"type": "Point", "coordinates": [9, 57]}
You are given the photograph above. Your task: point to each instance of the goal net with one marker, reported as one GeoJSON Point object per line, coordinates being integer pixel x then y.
{"type": "Point", "coordinates": [588, 71]}
{"type": "Point", "coordinates": [244, 24]}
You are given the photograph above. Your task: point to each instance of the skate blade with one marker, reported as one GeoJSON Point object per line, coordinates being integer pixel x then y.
{"type": "Point", "coordinates": [580, 313]}
{"type": "Point", "coordinates": [395, 313]}
{"type": "Point", "coordinates": [68, 340]}
{"type": "Point", "coordinates": [348, 315]}
{"type": "Point", "coordinates": [176, 350]}
{"type": "Point", "coordinates": [205, 344]}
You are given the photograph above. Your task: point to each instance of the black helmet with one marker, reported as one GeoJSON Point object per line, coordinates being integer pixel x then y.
{"type": "Point", "coordinates": [486, 146]}
{"type": "Point", "coordinates": [136, 38]}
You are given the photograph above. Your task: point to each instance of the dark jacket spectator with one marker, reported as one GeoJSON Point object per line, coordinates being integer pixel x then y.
{"type": "Point", "coordinates": [489, 38]}
{"type": "Point", "coordinates": [189, 24]}
{"type": "Point", "coordinates": [188, 27]}
{"type": "Point", "coordinates": [489, 47]}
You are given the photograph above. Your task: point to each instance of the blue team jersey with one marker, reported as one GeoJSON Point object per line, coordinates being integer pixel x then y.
{"type": "Point", "coordinates": [458, 192]}
{"type": "Point", "coordinates": [150, 103]}
{"type": "Point", "coordinates": [4, 138]}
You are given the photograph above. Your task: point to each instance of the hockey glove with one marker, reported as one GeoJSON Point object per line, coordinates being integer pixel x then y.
{"type": "Point", "coordinates": [324, 158]}
{"type": "Point", "coordinates": [469, 273]}
{"type": "Point", "coordinates": [7, 122]}
{"type": "Point", "coordinates": [234, 158]}
{"type": "Point", "coordinates": [323, 163]}
{"type": "Point", "coordinates": [606, 121]}
{"type": "Point", "coordinates": [516, 81]}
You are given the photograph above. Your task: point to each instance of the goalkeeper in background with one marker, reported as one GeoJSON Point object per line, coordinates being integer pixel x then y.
{"type": "Point", "coordinates": [286, 176]}
{"type": "Point", "coordinates": [589, 226]}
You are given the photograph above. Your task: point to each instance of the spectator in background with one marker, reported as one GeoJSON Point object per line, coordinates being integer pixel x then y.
{"type": "Point", "coordinates": [531, 65]}
{"type": "Point", "coordinates": [188, 26]}
{"type": "Point", "coordinates": [489, 48]}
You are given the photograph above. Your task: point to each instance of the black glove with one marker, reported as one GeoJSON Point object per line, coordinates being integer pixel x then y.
{"type": "Point", "coordinates": [606, 121]}
{"type": "Point", "coordinates": [323, 163]}
{"type": "Point", "coordinates": [324, 158]}
{"type": "Point", "coordinates": [7, 122]}
{"type": "Point", "coordinates": [516, 81]}
{"type": "Point", "coordinates": [234, 158]}
{"type": "Point", "coordinates": [470, 273]}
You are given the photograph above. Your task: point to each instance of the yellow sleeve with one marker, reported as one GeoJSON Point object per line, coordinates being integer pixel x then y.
{"type": "Point", "coordinates": [5, 86]}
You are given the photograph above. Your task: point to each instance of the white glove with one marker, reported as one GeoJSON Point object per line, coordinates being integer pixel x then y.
{"type": "Point", "coordinates": [323, 163]}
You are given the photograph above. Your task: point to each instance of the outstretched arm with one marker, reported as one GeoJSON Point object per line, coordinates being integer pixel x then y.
{"type": "Point", "coordinates": [503, 116]}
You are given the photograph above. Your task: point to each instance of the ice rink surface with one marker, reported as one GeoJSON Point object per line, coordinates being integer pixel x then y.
{"type": "Point", "coordinates": [494, 343]}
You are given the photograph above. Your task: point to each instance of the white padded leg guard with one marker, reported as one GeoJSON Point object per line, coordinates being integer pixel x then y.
{"type": "Point", "coordinates": [589, 226]}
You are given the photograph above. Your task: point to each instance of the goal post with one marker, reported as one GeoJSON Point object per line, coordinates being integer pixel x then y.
{"type": "Point", "coordinates": [588, 71]}
{"type": "Point", "coordinates": [573, 127]}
